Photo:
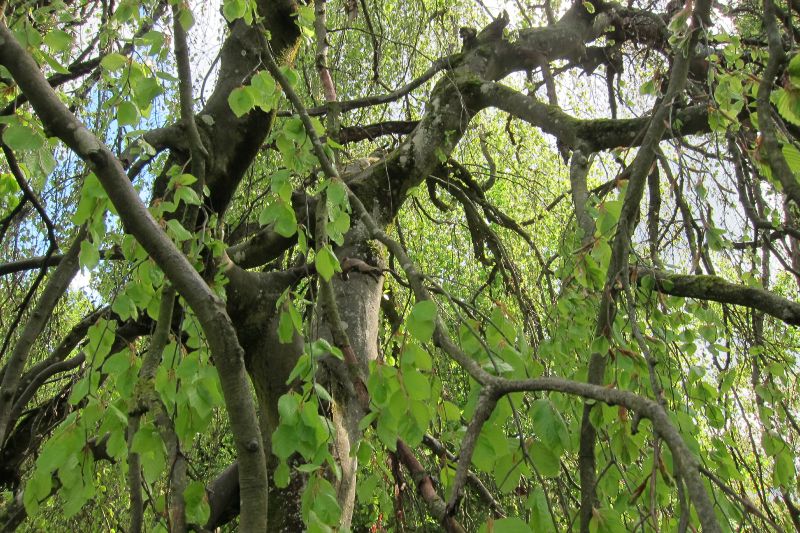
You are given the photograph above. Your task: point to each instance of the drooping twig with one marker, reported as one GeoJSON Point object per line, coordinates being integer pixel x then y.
{"type": "Point", "coordinates": [376, 45]}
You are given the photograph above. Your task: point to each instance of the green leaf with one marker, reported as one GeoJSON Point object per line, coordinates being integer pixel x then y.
{"type": "Point", "coordinates": [177, 231]}
{"type": "Point", "coordinates": [78, 489]}
{"type": "Point", "coordinates": [416, 357]}
{"type": "Point", "coordinates": [319, 498]}
{"type": "Point", "coordinates": [197, 509]}
{"type": "Point", "coordinates": [387, 430]}
{"type": "Point", "coordinates": [544, 459]}
{"type": "Point", "coordinates": [124, 307]}
{"type": "Point", "coordinates": [37, 489]}
{"type": "Point", "coordinates": [281, 475]}
{"type": "Point", "coordinates": [127, 114]}
{"type": "Point", "coordinates": [787, 101]}
{"type": "Point", "coordinates": [417, 385]}
{"type": "Point", "coordinates": [86, 385]}
{"type": "Point", "coordinates": [792, 156]}
{"type": "Point", "coordinates": [186, 19]}
{"type": "Point", "coordinates": [234, 9]}
{"type": "Point", "coordinates": [338, 225]}
{"type": "Point", "coordinates": [145, 91]}
{"type": "Point", "coordinates": [241, 101]}
{"type": "Point", "coordinates": [58, 40]}
{"type": "Point", "coordinates": [322, 393]}
{"type": "Point", "coordinates": [282, 215]}
{"type": "Point", "coordinates": [449, 411]}
{"type": "Point", "coordinates": [264, 91]}
{"type": "Point", "coordinates": [148, 444]}
{"type": "Point", "coordinates": [126, 10]}
{"type": "Point", "coordinates": [491, 444]}
{"type": "Point", "coordinates": [294, 130]}
{"type": "Point", "coordinates": [285, 327]}
{"type": "Point", "coordinates": [114, 61]}
{"type": "Point", "coordinates": [20, 137]}
{"type": "Point", "coordinates": [549, 426]}
{"type": "Point", "coordinates": [540, 514]}
{"type": "Point", "coordinates": [119, 362]}
{"type": "Point", "coordinates": [422, 320]}
{"type": "Point", "coordinates": [327, 263]}
{"type": "Point", "coordinates": [793, 69]}
{"type": "Point", "coordinates": [365, 488]}
{"type": "Point", "coordinates": [89, 255]}
{"type": "Point", "coordinates": [187, 196]}
{"type": "Point", "coordinates": [284, 440]}
{"type": "Point", "coordinates": [321, 347]}
{"type": "Point", "coordinates": [609, 216]}
{"type": "Point", "coordinates": [291, 75]}
{"type": "Point", "coordinates": [606, 520]}
{"type": "Point", "coordinates": [301, 368]}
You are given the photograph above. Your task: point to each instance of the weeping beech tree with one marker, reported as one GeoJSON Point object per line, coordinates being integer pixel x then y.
{"type": "Point", "coordinates": [386, 265]}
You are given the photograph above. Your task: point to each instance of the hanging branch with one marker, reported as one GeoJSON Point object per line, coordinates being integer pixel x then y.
{"type": "Point", "coordinates": [55, 363]}
{"type": "Point", "coordinates": [637, 173]}
{"type": "Point", "coordinates": [29, 196]}
{"type": "Point", "coordinates": [376, 45]}
{"type": "Point", "coordinates": [32, 197]}
{"type": "Point", "coordinates": [439, 449]}
{"type": "Point", "coordinates": [146, 398]}
{"type": "Point", "coordinates": [56, 286]}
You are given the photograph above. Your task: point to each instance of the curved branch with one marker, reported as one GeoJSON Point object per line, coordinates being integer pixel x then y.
{"type": "Point", "coordinates": [368, 101]}
{"type": "Point", "coordinates": [31, 196]}
{"type": "Point", "coordinates": [688, 464]}
{"type": "Point", "coordinates": [228, 354]}
{"type": "Point", "coordinates": [440, 450]}
{"type": "Point", "coordinates": [594, 134]}
{"type": "Point", "coordinates": [370, 132]}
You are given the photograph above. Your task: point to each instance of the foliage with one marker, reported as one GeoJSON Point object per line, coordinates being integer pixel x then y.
{"type": "Point", "coordinates": [359, 254]}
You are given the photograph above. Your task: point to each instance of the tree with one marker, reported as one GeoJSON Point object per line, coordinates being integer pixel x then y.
{"type": "Point", "coordinates": [537, 273]}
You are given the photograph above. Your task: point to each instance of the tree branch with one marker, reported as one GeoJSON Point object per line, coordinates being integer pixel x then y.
{"type": "Point", "coordinates": [715, 288]}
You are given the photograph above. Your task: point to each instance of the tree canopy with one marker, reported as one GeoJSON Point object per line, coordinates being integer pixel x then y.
{"type": "Point", "coordinates": [372, 265]}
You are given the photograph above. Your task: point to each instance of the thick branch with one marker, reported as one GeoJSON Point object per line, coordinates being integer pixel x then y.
{"type": "Point", "coordinates": [716, 289]}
